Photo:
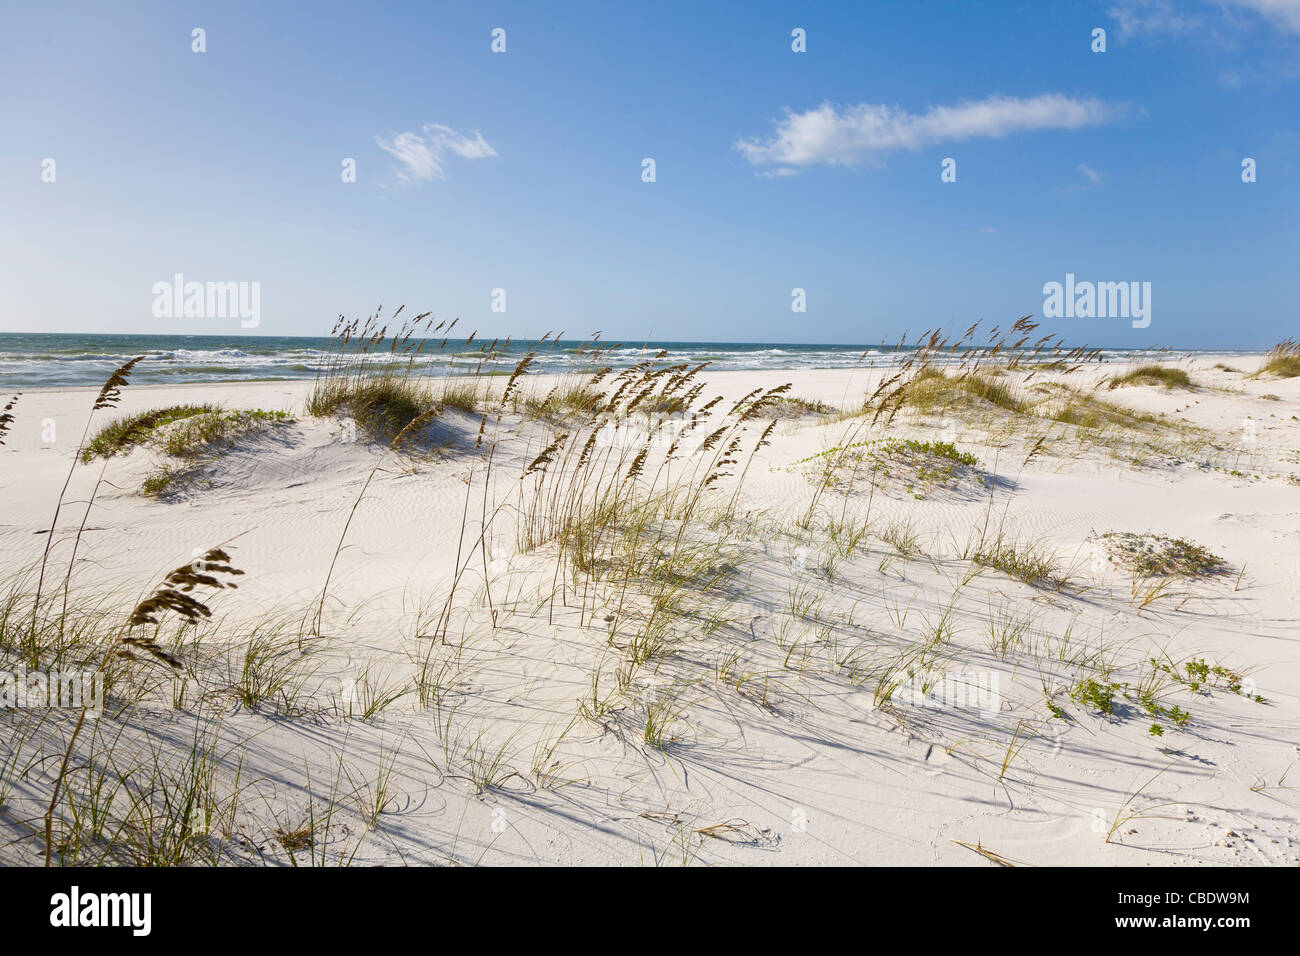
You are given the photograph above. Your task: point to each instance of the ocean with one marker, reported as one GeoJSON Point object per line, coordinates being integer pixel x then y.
{"type": "Point", "coordinates": [35, 360]}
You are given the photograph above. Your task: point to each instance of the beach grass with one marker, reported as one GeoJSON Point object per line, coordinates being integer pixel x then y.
{"type": "Point", "coordinates": [610, 579]}
{"type": "Point", "coordinates": [1282, 360]}
{"type": "Point", "coordinates": [1153, 375]}
{"type": "Point", "coordinates": [124, 434]}
{"type": "Point", "coordinates": [1157, 555]}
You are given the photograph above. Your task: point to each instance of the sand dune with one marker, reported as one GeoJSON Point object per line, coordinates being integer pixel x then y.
{"type": "Point", "coordinates": [779, 695]}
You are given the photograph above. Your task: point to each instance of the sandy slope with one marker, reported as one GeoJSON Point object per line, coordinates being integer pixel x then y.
{"type": "Point", "coordinates": [795, 764]}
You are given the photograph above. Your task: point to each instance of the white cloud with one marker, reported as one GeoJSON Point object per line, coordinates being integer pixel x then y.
{"type": "Point", "coordinates": [846, 137]}
{"type": "Point", "coordinates": [1281, 13]}
{"type": "Point", "coordinates": [421, 154]}
{"type": "Point", "coordinates": [1094, 177]}
{"type": "Point", "coordinates": [1137, 17]}
{"type": "Point", "coordinates": [1148, 17]}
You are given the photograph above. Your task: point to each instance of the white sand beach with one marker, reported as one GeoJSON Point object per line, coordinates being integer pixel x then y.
{"type": "Point", "coordinates": [935, 660]}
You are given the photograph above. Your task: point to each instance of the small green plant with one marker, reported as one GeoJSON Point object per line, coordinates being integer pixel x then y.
{"type": "Point", "coordinates": [903, 537]}
{"type": "Point", "coordinates": [1097, 695]}
{"type": "Point", "coordinates": [662, 719]}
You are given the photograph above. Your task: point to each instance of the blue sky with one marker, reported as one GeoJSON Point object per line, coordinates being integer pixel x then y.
{"type": "Point", "coordinates": [775, 170]}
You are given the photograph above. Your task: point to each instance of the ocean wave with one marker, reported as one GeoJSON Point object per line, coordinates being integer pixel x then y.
{"type": "Point", "coordinates": [198, 355]}
{"type": "Point", "coordinates": [28, 361]}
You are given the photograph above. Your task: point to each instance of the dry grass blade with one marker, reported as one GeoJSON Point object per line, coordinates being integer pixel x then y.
{"type": "Point", "coordinates": [987, 854]}
{"type": "Point", "coordinates": [735, 831]}
{"type": "Point", "coordinates": [107, 398]}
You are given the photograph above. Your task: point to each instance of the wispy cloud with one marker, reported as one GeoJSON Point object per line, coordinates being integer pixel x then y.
{"type": "Point", "coordinates": [852, 135]}
{"type": "Point", "coordinates": [1092, 179]}
{"type": "Point", "coordinates": [1151, 17]}
{"type": "Point", "coordinates": [1284, 14]}
{"type": "Point", "coordinates": [421, 155]}
{"type": "Point", "coordinates": [1144, 17]}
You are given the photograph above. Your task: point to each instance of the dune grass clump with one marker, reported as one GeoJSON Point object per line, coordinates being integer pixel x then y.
{"type": "Point", "coordinates": [1282, 360]}
{"type": "Point", "coordinates": [198, 437]}
{"type": "Point", "coordinates": [1086, 410]}
{"type": "Point", "coordinates": [1029, 562]}
{"type": "Point", "coordinates": [121, 436]}
{"type": "Point", "coordinates": [381, 406]}
{"type": "Point", "coordinates": [940, 373]}
{"type": "Point", "coordinates": [572, 399]}
{"type": "Point", "coordinates": [793, 407]}
{"type": "Point", "coordinates": [618, 511]}
{"type": "Point", "coordinates": [464, 395]}
{"type": "Point", "coordinates": [1157, 555]}
{"type": "Point", "coordinates": [920, 466]}
{"type": "Point", "coordinates": [200, 433]}
{"type": "Point", "coordinates": [939, 376]}
{"type": "Point", "coordinates": [383, 381]}
{"type": "Point", "coordinates": [933, 389]}
{"type": "Point", "coordinates": [1153, 375]}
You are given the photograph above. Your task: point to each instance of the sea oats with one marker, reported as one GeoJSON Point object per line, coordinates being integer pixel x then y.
{"type": "Point", "coordinates": [546, 457]}
{"type": "Point", "coordinates": [112, 389]}
{"type": "Point", "coordinates": [6, 418]}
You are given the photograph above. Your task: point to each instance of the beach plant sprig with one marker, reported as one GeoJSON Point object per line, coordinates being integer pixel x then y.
{"type": "Point", "coordinates": [108, 397]}
{"type": "Point", "coordinates": [6, 416]}
{"type": "Point", "coordinates": [173, 594]}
